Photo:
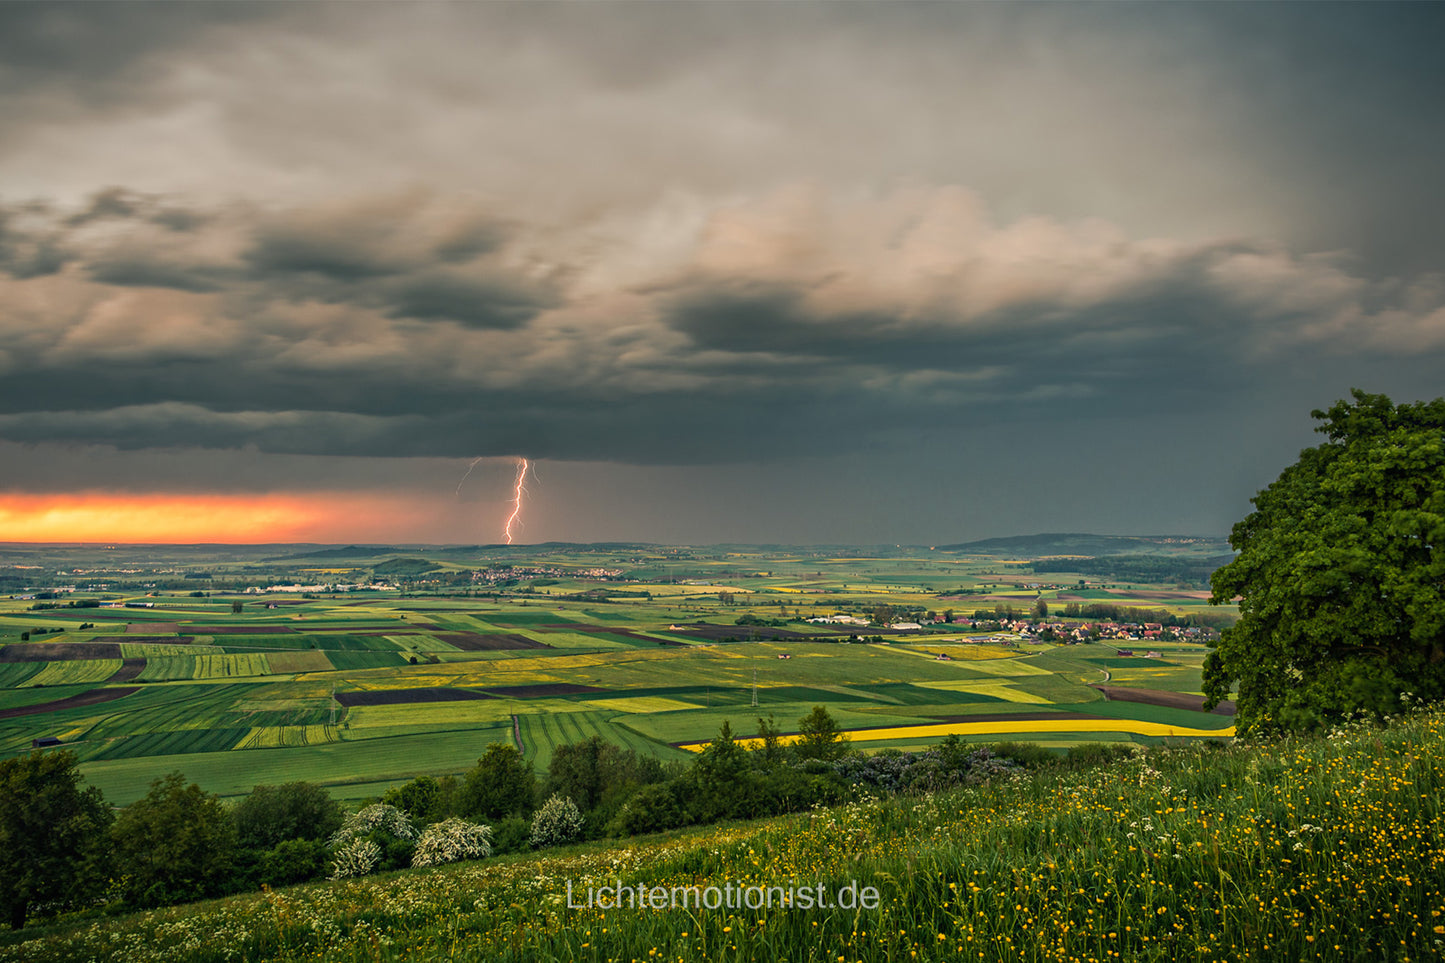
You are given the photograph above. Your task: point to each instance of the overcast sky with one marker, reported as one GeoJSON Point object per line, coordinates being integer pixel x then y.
{"type": "Point", "coordinates": [728, 272]}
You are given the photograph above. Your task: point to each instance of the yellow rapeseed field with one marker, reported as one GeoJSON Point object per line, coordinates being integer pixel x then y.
{"type": "Point", "coordinates": [1004, 727]}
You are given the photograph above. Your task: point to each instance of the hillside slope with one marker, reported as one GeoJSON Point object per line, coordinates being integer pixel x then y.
{"type": "Point", "coordinates": [1329, 849]}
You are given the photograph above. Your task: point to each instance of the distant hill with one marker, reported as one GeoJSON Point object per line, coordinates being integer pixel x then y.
{"type": "Point", "coordinates": [349, 551]}
{"type": "Point", "coordinates": [405, 566]}
{"type": "Point", "coordinates": [1078, 543]}
{"type": "Point", "coordinates": [1191, 569]}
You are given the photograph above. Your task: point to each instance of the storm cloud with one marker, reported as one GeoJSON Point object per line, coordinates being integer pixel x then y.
{"type": "Point", "coordinates": [708, 235]}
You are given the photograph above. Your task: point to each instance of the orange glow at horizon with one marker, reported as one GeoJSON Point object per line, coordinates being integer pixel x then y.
{"type": "Point", "coordinates": [230, 518]}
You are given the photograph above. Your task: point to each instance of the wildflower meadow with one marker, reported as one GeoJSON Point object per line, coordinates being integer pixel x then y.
{"type": "Point", "coordinates": [1322, 848]}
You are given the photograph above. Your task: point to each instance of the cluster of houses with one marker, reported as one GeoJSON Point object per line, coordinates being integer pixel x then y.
{"type": "Point", "coordinates": [1044, 631]}
{"type": "Point", "coordinates": [493, 575]}
{"type": "Point", "coordinates": [328, 588]}
{"type": "Point", "coordinates": [1096, 631]}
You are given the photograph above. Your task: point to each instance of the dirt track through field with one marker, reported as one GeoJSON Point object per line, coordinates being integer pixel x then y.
{"type": "Point", "coordinates": [517, 734]}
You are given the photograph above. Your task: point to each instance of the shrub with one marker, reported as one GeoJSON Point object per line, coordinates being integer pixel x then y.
{"type": "Point", "coordinates": [378, 817]}
{"type": "Point", "coordinates": [557, 822]}
{"type": "Point", "coordinates": [422, 798]}
{"type": "Point", "coordinates": [356, 857]}
{"type": "Point", "coordinates": [1027, 754]}
{"type": "Point", "coordinates": [653, 809]}
{"type": "Point", "coordinates": [292, 861]}
{"type": "Point", "coordinates": [511, 835]}
{"type": "Point", "coordinates": [451, 840]}
{"type": "Point", "coordinates": [984, 766]}
{"type": "Point", "coordinates": [1098, 753]}
{"type": "Point", "coordinates": [387, 830]}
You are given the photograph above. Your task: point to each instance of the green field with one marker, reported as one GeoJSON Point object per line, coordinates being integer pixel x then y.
{"type": "Point", "coordinates": [339, 689]}
{"type": "Point", "coordinates": [338, 765]}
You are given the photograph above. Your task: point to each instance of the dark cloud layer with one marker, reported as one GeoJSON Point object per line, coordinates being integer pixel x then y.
{"type": "Point", "coordinates": [778, 331]}
{"type": "Point", "coordinates": [711, 235]}
{"type": "Point", "coordinates": [105, 53]}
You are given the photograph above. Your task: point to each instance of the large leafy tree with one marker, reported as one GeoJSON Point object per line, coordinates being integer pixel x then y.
{"type": "Point", "coordinates": [1340, 574]}
{"type": "Point", "coordinates": [175, 845]}
{"type": "Point", "coordinates": [271, 815]}
{"type": "Point", "coordinates": [52, 834]}
{"type": "Point", "coordinates": [501, 784]}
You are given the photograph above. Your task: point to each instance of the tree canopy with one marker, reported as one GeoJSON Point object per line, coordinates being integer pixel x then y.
{"type": "Point", "coordinates": [1340, 574]}
{"type": "Point", "coordinates": [52, 831]}
{"type": "Point", "coordinates": [176, 844]}
{"type": "Point", "coordinates": [501, 784]}
{"type": "Point", "coordinates": [271, 815]}
{"type": "Point", "coordinates": [819, 736]}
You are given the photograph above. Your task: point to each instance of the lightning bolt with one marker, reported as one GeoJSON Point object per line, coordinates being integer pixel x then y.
{"type": "Point", "coordinates": [517, 492]}
{"type": "Point", "coordinates": [468, 474]}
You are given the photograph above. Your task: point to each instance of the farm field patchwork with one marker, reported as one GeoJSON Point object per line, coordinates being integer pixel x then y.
{"type": "Point", "coordinates": [353, 691]}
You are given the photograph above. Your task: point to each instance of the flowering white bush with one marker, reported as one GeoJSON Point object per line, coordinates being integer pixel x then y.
{"type": "Point", "coordinates": [378, 817]}
{"type": "Point", "coordinates": [354, 848]}
{"type": "Point", "coordinates": [557, 822]}
{"type": "Point", "coordinates": [451, 840]}
{"type": "Point", "coordinates": [355, 858]}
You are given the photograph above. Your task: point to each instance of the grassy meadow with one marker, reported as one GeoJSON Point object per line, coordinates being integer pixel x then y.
{"type": "Point", "coordinates": [1304, 849]}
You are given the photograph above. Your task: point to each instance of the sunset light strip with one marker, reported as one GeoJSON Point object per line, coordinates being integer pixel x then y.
{"type": "Point", "coordinates": [196, 518]}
